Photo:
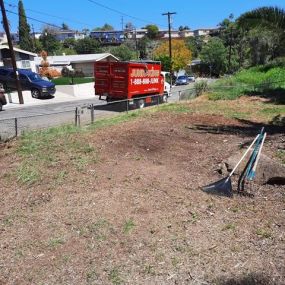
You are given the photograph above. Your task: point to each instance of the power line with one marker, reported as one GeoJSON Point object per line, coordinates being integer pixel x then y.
{"type": "Point", "coordinates": [49, 15]}
{"type": "Point", "coordinates": [42, 22]}
{"type": "Point", "coordinates": [120, 12]}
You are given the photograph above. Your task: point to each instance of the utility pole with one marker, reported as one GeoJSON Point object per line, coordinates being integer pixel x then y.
{"type": "Point", "coordinates": [230, 50]}
{"type": "Point", "coordinates": [168, 14]}
{"type": "Point", "coordinates": [13, 59]}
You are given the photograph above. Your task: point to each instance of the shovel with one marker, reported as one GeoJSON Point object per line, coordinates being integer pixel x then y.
{"type": "Point", "coordinates": [224, 186]}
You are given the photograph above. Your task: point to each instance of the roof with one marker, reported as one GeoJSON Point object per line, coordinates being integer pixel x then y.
{"type": "Point", "coordinates": [18, 50]}
{"type": "Point", "coordinates": [77, 58]}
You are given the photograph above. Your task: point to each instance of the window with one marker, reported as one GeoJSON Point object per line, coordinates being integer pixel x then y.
{"type": "Point", "coordinates": [26, 64]}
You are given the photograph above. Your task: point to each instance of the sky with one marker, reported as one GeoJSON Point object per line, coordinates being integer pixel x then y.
{"type": "Point", "coordinates": [80, 14]}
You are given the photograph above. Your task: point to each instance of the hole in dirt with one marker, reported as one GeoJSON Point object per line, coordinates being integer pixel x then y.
{"type": "Point", "coordinates": [276, 181]}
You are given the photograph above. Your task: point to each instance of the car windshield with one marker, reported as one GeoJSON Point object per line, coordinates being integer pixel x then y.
{"type": "Point", "coordinates": [34, 77]}
{"type": "Point", "coordinates": [182, 77]}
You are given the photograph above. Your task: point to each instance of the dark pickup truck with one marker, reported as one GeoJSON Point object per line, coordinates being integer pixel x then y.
{"type": "Point", "coordinates": [29, 81]}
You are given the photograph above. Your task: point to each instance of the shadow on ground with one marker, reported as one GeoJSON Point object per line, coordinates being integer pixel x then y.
{"type": "Point", "coordinates": [248, 128]}
{"type": "Point", "coordinates": [275, 96]}
{"type": "Point", "coordinates": [251, 279]}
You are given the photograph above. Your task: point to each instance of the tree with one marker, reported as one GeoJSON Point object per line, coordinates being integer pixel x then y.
{"type": "Point", "coordinates": [25, 40]}
{"type": "Point", "coordinates": [142, 47]}
{"type": "Point", "coordinates": [123, 52]}
{"type": "Point", "coordinates": [106, 27]}
{"type": "Point", "coordinates": [69, 43]}
{"type": "Point", "coordinates": [64, 26]}
{"type": "Point", "coordinates": [181, 55]}
{"type": "Point", "coordinates": [87, 46]}
{"type": "Point", "coordinates": [49, 42]}
{"type": "Point", "coordinates": [214, 54]}
{"type": "Point", "coordinates": [152, 31]}
{"type": "Point", "coordinates": [270, 19]}
{"type": "Point", "coordinates": [129, 26]}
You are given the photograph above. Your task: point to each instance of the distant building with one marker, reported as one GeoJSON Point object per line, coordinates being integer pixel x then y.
{"type": "Point", "coordinates": [206, 31]}
{"type": "Point", "coordinates": [78, 62]}
{"type": "Point", "coordinates": [62, 35]}
{"type": "Point", "coordinates": [108, 37]}
{"type": "Point", "coordinates": [3, 38]}
{"type": "Point", "coordinates": [24, 59]}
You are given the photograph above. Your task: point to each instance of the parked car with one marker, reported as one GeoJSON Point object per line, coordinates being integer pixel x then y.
{"type": "Point", "coordinates": [2, 99]}
{"type": "Point", "coordinates": [191, 78]}
{"type": "Point", "coordinates": [29, 81]}
{"type": "Point", "coordinates": [182, 80]}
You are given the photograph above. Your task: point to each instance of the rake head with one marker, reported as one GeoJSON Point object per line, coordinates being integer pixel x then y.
{"type": "Point", "coordinates": [222, 187]}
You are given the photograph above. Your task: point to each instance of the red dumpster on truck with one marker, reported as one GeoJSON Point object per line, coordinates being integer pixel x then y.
{"type": "Point", "coordinates": [138, 82]}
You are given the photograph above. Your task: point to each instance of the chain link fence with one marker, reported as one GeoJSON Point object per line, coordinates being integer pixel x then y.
{"type": "Point", "coordinates": [80, 115]}
{"type": "Point", "coordinates": [86, 114]}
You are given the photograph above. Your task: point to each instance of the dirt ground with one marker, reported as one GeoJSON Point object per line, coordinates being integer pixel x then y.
{"type": "Point", "coordinates": [138, 216]}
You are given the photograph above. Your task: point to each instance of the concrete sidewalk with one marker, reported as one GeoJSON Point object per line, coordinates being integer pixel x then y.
{"type": "Point", "coordinates": [68, 94]}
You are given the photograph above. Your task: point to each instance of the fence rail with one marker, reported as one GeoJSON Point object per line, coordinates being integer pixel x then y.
{"type": "Point", "coordinates": [80, 115]}
{"type": "Point", "coordinates": [86, 114]}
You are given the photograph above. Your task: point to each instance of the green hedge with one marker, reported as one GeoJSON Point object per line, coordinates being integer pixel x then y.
{"type": "Point", "coordinates": [68, 80]}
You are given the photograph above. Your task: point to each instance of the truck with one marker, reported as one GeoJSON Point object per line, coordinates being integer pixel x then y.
{"type": "Point", "coordinates": [139, 82]}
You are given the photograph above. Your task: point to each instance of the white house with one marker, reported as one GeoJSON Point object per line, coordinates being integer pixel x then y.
{"type": "Point", "coordinates": [24, 59]}
{"type": "Point", "coordinates": [62, 35]}
{"type": "Point", "coordinates": [80, 62]}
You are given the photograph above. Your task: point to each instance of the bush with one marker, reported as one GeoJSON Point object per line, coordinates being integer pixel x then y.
{"type": "Point", "coordinates": [201, 87]}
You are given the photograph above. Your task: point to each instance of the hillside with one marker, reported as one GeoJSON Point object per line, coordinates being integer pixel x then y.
{"type": "Point", "coordinates": [120, 202]}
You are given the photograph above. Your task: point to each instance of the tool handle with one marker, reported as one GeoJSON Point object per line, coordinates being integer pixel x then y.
{"type": "Point", "coordinates": [258, 157]}
{"type": "Point", "coordinates": [248, 149]}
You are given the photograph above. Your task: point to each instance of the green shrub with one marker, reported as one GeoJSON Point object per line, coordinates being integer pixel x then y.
{"type": "Point", "coordinates": [201, 87]}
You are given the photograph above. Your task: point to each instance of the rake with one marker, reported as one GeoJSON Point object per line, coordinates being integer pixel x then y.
{"type": "Point", "coordinates": [224, 186]}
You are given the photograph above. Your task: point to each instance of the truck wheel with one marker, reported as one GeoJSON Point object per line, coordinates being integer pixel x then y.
{"type": "Point", "coordinates": [164, 98]}
{"type": "Point", "coordinates": [36, 93]}
{"type": "Point", "coordinates": [140, 103]}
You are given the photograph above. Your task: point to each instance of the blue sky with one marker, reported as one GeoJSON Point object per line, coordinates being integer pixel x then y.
{"type": "Point", "coordinates": [79, 14]}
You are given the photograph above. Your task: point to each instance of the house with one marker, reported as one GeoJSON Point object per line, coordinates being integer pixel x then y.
{"type": "Point", "coordinates": [62, 35]}
{"type": "Point", "coordinates": [108, 37]}
{"type": "Point", "coordinates": [24, 59]}
{"type": "Point", "coordinates": [80, 62]}
{"type": "Point", "coordinates": [205, 31]}
{"type": "Point", "coordinates": [3, 38]}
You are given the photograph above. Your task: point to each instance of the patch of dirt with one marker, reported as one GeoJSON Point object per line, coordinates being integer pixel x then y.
{"type": "Point", "coordinates": [138, 215]}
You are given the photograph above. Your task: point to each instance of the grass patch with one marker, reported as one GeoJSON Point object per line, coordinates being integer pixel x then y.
{"type": "Point", "coordinates": [49, 153]}
{"type": "Point", "coordinates": [264, 233]}
{"type": "Point", "coordinates": [257, 80]}
{"type": "Point", "coordinates": [128, 226]}
{"type": "Point", "coordinates": [114, 277]}
{"type": "Point", "coordinates": [68, 80]}
{"type": "Point", "coordinates": [55, 242]}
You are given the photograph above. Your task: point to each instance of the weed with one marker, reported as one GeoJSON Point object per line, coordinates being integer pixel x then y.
{"type": "Point", "coordinates": [128, 226]}
{"type": "Point", "coordinates": [100, 229]}
{"type": "Point", "coordinates": [91, 276]}
{"type": "Point", "coordinates": [229, 227]}
{"type": "Point", "coordinates": [264, 233]}
{"type": "Point", "coordinates": [149, 269]}
{"type": "Point", "coordinates": [55, 242]}
{"type": "Point", "coordinates": [27, 174]}
{"type": "Point", "coordinates": [114, 277]}
{"type": "Point", "coordinates": [174, 261]}
{"type": "Point", "coordinates": [281, 155]}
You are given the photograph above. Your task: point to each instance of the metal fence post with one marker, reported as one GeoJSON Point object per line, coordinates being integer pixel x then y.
{"type": "Point", "coordinates": [16, 127]}
{"type": "Point", "coordinates": [76, 111]}
{"type": "Point", "coordinates": [92, 113]}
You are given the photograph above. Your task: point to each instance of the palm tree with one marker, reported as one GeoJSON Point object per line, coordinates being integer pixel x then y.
{"type": "Point", "coordinates": [268, 17]}
{"type": "Point", "coordinates": [266, 20]}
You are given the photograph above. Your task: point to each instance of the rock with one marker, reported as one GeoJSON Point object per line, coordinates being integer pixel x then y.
{"type": "Point", "coordinates": [269, 171]}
